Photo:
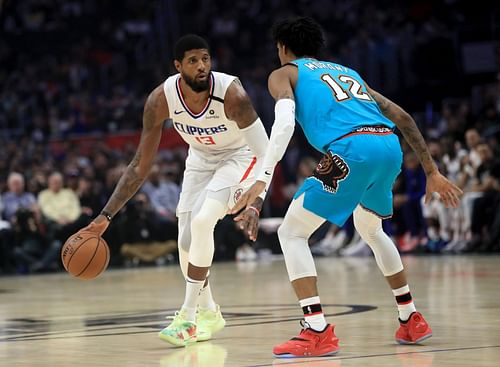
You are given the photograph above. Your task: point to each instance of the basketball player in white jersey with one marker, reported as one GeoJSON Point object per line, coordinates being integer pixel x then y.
{"type": "Point", "coordinates": [214, 115]}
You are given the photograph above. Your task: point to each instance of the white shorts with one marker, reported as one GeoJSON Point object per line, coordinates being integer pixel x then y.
{"type": "Point", "coordinates": [216, 172]}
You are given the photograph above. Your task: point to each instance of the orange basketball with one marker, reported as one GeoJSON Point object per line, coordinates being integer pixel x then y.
{"type": "Point", "coordinates": [85, 255]}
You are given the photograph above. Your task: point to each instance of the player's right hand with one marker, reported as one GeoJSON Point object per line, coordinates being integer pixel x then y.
{"type": "Point", "coordinates": [248, 222]}
{"type": "Point", "coordinates": [98, 225]}
{"type": "Point", "coordinates": [449, 193]}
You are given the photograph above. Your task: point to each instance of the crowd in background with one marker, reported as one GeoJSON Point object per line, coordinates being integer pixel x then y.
{"type": "Point", "coordinates": [104, 57]}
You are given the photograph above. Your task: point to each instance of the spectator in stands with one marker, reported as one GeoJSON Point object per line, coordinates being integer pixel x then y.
{"type": "Point", "coordinates": [485, 209]}
{"type": "Point", "coordinates": [472, 140]}
{"type": "Point", "coordinates": [467, 181]}
{"type": "Point", "coordinates": [142, 233]}
{"type": "Point", "coordinates": [414, 188]}
{"type": "Point", "coordinates": [436, 215]}
{"type": "Point", "coordinates": [163, 195]}
{"type": "Point", "coordinates": [61, 211]}
{"type": "Point", "coordinates": [452, 158]}
{"type": "Point", "coordinates": [5, 244]}
{"type": "Point", "coordinates": [20, 235]}
{"type": "Point", "coordinates": [89, 198]}
{"type": "Point", "coordinates": [28, 239]}
{"type": "Point", "coordinates": [16, 197]}
{"type": "Point", "coordinates": [58, 204]}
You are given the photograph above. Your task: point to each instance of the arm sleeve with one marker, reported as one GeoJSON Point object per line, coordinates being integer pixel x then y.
{"type": "Point", "coordinates": [257, 140]}
{"type": "Point", "coordinates": [281, 133]}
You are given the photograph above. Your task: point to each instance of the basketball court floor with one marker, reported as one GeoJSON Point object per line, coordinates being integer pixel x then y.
{"type": "Point", "coordinates": [55, 320]}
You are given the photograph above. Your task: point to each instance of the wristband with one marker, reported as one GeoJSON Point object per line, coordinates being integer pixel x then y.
{"type": "Point", "coordinates": [108, 216]}
{"type": "Point", "coordinates": [257, 211]}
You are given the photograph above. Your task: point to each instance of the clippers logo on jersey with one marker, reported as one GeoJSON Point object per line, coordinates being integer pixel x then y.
{"type": "Point", "coordinates": [196, 130]}
{"type": "Point", "coordinates": [237, 195]}
{"type": "Point", "coordinates": [330, 170]}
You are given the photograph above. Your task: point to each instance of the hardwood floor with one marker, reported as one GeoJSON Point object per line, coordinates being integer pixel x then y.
{"type": "Point", "coordinates": [55, 320]}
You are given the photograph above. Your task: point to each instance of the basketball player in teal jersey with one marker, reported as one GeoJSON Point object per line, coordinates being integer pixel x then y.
{"type": "Point", "coordinates": [353, 126]}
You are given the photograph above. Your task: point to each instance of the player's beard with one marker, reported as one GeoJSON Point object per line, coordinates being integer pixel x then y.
{"type": "Point", "coordinates": [197, 86]}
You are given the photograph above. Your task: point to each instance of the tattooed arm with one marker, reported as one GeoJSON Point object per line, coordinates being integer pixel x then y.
{"type": "Point", "coordinates": [155, 113]}
{"type": "Point", "coordinates": [282, 81]}
{"type": "Point", "coordinates": [448, 192]}
{"type": "Point", "coordinates": [238, 106]}
{"type": "Point", "coordinates": [408, 128]}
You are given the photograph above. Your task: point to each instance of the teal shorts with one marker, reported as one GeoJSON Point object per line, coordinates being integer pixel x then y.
{"type": "Point", "coordinates": [358, 169]}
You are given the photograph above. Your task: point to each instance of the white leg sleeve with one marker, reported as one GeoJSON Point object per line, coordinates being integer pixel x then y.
{"type": "Point", "coordinates": [184, 226]}
{"type": "Point", "coordinates": [298, 225]}
{"type": "Point", "coordinates": [183, 261]}
{"type": "Point", "coordinates": [203, 222]}
{"type": "Point", "coordinates": [369, 227]}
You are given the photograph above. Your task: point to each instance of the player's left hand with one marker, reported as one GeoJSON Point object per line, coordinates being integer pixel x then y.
{"type": "Point", "coordinates": [248, 198]}
{"type": "Point", "coordinates": [449, 193]}
{"type": "Point", "coordinates": [249, 222]}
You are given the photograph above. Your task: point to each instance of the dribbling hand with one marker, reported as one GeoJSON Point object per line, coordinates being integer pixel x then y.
{"type": "Point", "coordinates": [98, 225]}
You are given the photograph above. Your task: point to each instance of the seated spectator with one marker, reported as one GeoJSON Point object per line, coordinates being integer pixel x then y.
{"type": "Point", "coordinates": [467, 181]}
{"type": "Point", "coordinates": [89, 198]}
{"type": "Point", "coordinates": [452, 158]}
{"type": "Point", "coordinates": [16, 198]}
{"type": "Point", "coordinates": [163, 195]}
{"type": "Point", "coordinates": [5, 245]}
{"type": "Point", "coordinates": [413, 178]}
{"type": "Point", "coordinates": [141, 233]}
{"type": "Point", "coordinates": [436, 215]}
{"type": "Point", "coordinates": [473, 140]}
{"type": "Point", "coordinates": [485, 209]}
{"type": "Point", "coordinates": [30, 244]}
{"type": "Point", "coordinates": [20, 234]}
{"type": "Point", "coordinates": [61, 212]}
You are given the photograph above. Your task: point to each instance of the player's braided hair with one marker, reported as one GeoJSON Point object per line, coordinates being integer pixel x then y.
{"type": "Point", "coordinates": [302, 35]}
{"type": "Point", "coordinates": [187, 43]}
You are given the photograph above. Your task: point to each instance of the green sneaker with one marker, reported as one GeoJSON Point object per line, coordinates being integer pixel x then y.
{"type": "Point", "coordinates": [180, 332]}
{"type": "Point", "coordinates": [209, 322]}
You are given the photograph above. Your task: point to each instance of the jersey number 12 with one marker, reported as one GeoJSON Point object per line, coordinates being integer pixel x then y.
{"type": "Point", "coordinates": [351, 88]}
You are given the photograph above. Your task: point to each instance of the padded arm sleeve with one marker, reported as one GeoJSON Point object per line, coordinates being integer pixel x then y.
{"type": "Point", "coordinates": [257, 140]}
{"type": "Point", "coordinates": [281, 133]}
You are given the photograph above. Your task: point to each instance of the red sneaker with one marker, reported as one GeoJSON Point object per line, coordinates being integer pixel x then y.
{"type": "Point", "coordinates": [309, 343]}
{"type": "Point", "coordinates": [414, 330]}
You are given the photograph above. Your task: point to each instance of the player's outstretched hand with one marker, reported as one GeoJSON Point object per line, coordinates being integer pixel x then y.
{"type": "Point", "coordinates": [98, 225]}
{"type": "Point", "coordinates": [249, 222]}
{"type": "Point", "coordinates": [248, 198]}
{"type": "Point", "coordinates": [449, 193]}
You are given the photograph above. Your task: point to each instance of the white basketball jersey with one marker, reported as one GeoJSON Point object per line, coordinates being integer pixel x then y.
{"type": "Point", "coordinates": [209, 131]}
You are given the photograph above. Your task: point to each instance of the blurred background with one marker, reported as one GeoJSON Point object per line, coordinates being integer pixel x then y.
{"type": "Point", "coordinates": [74, 75]}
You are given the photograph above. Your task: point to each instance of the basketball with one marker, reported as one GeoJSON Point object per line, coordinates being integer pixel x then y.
{"type": "Point", "coordinates": [85, 255]}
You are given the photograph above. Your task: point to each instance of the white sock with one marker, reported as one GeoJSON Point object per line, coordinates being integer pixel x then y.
{"type": "Point", "coordinates": [206, 300]}
{"type": "Point", "coordinates": [193, 288]}
{"type": "Point", "coordinates": [404, 301]}
{"type": "Point", "coordinates": [313, 314]}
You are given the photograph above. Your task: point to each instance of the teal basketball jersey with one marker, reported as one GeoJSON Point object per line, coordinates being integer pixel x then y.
{"type": "Point", "coordinates": [331, 101]}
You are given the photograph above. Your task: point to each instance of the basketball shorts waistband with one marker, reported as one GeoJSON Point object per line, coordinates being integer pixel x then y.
{"type": "Point", "coordinates": [372, 130]}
